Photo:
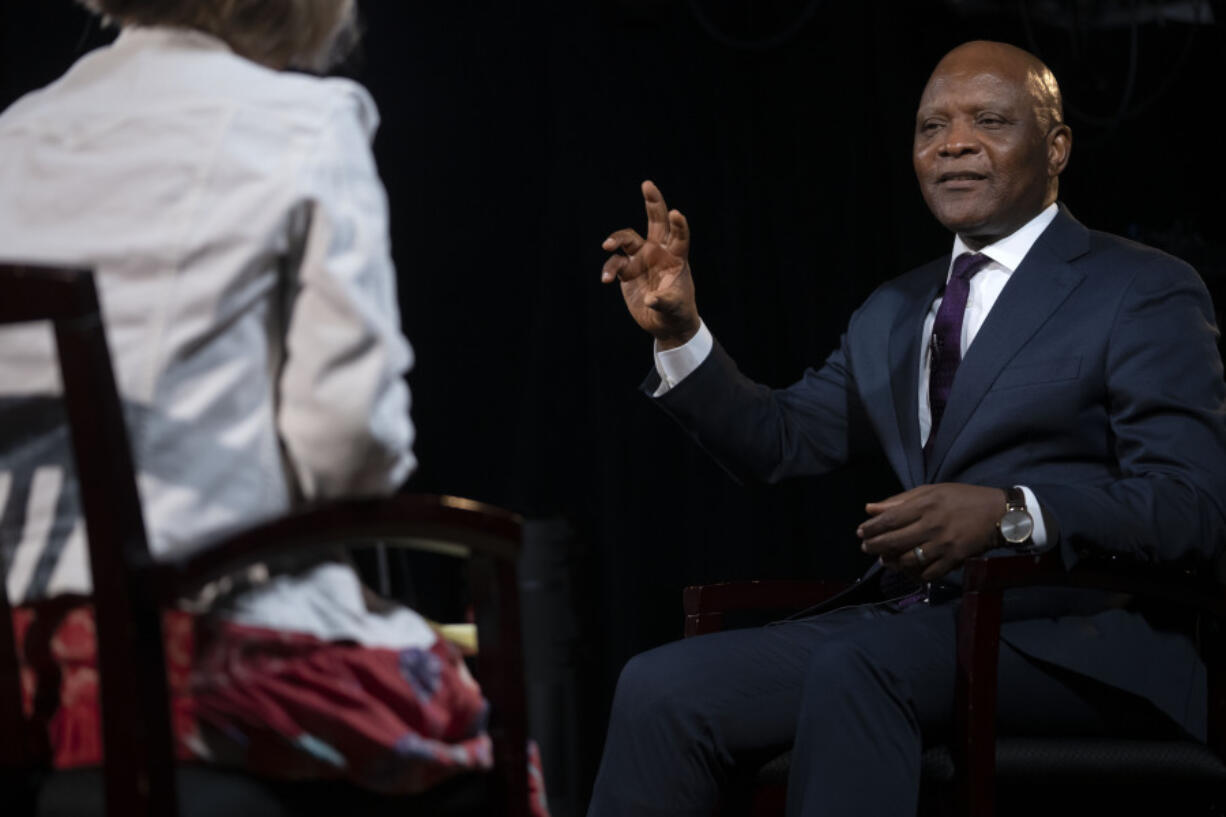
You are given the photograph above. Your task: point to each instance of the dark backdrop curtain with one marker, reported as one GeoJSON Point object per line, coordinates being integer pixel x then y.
{"type": "Point", "coordinates": [514, 137]}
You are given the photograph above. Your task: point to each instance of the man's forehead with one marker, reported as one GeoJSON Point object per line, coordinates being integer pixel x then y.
{"type": "Point", "coordinates": [982, 64]}
{"type": "Point", "coordinates": [970, 88]}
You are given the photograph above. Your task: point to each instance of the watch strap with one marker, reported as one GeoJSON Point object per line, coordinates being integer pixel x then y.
{"type": "Point", "coordinates": [1015, 498]}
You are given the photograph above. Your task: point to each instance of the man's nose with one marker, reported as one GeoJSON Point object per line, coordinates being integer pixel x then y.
{"type": "Point", "coordinates": [960, 140]}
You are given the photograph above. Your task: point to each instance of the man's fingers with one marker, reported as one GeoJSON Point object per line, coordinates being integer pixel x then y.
{"type": "Point", "coordinates": [679, 234]}
{"type": "Point", "coordinates": [881, 505]}
{"type": "Point", "coordinates": [657, 213]}
{"type": "Point", "coordinates": [934, 566]}
{"type": "Point", "coordinates": [627, 241]}
{"type": "Point", "coordinates": [612, 267]}
{"type": "Point", "coordinates": [897, 541]}
{"type": "Point", "coordinates": [888, 518]}
{"type": "Point", "coordinates": [934, 570]}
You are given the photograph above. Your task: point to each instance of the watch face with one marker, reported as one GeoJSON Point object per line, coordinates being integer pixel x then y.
{"type": "Point", "coordinates": [1016, 527]}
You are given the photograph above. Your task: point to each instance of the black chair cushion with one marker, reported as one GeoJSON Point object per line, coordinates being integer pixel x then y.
{"type": "Point", "coordinates": [1060, 778]}
{"type": "Point", "coordinates": [1087, 760]}
{"type": "Point", "coordinates": [1091, 761]}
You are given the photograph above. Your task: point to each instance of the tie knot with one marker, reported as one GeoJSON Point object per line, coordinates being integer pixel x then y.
{"type": "Point", "coordinates": [967, 264]}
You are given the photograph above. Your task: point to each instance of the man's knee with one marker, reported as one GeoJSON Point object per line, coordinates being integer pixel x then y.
{"type": "Point", "coordinates": [900, 664]}
{"type": "Point", "coordinates": [655, 686]}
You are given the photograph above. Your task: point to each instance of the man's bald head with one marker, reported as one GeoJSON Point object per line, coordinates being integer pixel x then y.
{"type": "Point", "coordinates": [990, 140]}
{"type": "Point", "coordinates": [1028, 69]}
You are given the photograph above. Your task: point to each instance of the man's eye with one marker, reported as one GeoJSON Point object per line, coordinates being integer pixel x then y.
{"type": "Point", "coordinates": [991, 121]}
{"type": "Point", "coordinates": [929, 127]}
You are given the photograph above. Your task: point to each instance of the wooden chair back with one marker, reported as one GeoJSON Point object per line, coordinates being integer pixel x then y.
{"type": "Point", "coordinates": [131, 589]}
{"type": "Point", "coordinates": [132, 683]}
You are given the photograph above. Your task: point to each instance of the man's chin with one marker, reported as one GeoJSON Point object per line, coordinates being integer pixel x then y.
{"type": "Point", "coordinates": [961, 221]}
{"type": "Point", "coordinates": [957, 211]}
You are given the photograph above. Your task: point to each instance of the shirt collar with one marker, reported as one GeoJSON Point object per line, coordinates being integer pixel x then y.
{"type": "Point", "coordinates": [1010, 250]}
{"type": "Point", "coordinates": [167, 36]}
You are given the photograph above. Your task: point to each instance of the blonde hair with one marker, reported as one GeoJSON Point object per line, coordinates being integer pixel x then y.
{"type": "Point", "coordinates": [310, 34]}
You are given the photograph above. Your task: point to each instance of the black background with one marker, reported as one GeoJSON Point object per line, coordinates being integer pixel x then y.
{"type": "Point", "coordinates": [514, 138]}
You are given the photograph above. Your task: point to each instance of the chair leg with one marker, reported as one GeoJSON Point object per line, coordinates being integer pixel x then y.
{"type": "Point", "coordinates": [16, 756]}
{"type": "Point", "coordinates": [975, 702]}
{"type": "Point", "coordinates": [495, 591]}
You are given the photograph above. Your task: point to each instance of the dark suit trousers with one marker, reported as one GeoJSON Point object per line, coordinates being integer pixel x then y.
{"type": "Point", "coordinates": [858, 691]}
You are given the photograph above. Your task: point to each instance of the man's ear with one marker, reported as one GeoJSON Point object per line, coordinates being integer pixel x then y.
{"type": "Point", "coordinates": [1059, 147]}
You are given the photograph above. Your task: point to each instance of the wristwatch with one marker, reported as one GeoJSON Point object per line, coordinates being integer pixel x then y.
{"type": "Point", "coordinates": [1016, 526]}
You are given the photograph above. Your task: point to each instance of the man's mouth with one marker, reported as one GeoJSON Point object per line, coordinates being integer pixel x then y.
{"type": "Point", "coordinates": [960, 176]}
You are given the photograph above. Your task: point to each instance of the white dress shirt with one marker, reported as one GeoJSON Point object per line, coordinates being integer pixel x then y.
{"type": "Point", "coordinates": [674, 365]}
{"type": "Point", "coordinates": [237, 229]}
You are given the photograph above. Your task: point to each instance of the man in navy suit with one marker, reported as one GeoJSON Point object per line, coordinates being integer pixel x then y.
{"type": "Point", "coordinates": [1044, 386]}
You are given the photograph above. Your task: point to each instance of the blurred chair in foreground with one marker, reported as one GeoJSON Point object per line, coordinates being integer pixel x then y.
{"type": "Point", "coordinates": [132, 590]}
{"type": "Point", "coordinates": [236, 228]}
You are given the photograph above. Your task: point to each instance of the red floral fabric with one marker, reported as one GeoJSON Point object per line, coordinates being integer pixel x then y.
{"type": "Point", "coordinates": [278, 704]}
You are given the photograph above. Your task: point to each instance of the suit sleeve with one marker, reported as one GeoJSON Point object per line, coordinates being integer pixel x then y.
{"type": "Point", "coordinates": [761, 434]}
{"type": "Point", "coordinates": [1167, 410]}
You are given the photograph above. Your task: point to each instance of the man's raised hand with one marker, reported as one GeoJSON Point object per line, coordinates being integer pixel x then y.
{"type": "Point", "coordinates": [655, 272]}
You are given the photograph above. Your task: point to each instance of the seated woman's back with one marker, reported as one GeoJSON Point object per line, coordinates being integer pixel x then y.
{"type": "Point", "coordinates": [237, 227]}
{"type": "Point", "coordinates": [238, 231]}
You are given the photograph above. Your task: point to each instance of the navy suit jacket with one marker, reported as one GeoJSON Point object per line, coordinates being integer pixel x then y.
{"type": "Point", "coordinates": [1095, 381]}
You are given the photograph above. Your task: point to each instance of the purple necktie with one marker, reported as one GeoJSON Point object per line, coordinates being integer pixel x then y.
{"type": "Point", "coordinates": [945, 350]}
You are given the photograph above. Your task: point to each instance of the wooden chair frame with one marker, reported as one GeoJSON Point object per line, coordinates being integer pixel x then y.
{"type": "Point", "coordinates": [985, 581]}
{"type": "Point", "coordinates": [131, 588]}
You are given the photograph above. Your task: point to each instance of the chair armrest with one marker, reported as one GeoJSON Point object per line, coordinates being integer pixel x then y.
{"type": "Point", "coordinates": [488, 537]}
{"type": "Point", "coordinates": [984, 582]}
{"type": "Point", "coordinates": [706, 604]}
{"type": "Point", "coordinates": [446, 524]}
{"type": "Point", "coordinates": [1159, 582]}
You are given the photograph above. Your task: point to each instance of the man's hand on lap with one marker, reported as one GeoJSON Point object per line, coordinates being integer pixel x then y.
{"type": "Point", "coordinates": [950, 522]}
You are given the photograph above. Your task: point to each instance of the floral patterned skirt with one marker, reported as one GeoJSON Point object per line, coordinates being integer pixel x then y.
{"type": "Point", "coordinates": [277, 704]}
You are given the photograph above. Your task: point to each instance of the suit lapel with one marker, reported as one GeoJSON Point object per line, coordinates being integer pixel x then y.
{"type": "Point", "coordinates": [905, 340]}
{"type": "Point", "coordinates": [1039, 285]}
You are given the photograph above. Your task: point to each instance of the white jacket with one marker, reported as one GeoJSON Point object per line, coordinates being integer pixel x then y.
{"type": "Point", "coordinates": [238, 231]}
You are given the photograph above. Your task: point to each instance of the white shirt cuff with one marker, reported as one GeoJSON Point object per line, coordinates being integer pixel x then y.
{"type": "Point", "coordinates": [1038, 536]}
{"type": "Point", "coordinates": [675, 365]}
